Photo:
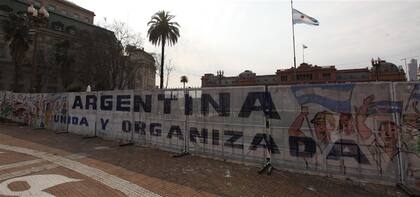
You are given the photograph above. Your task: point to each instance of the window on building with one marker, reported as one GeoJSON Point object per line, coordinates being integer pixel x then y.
{"type": "Point", "coordinates": [76, 16]}
{"type": "Point", "coordinates": [71, 30]}
{"type": "Point", "coordinates": [326, 76]}
{"type": "Point", "coordinates": [64, 12]}
{"type": "Point", "coordinates": [2, 50]}
{"type": "Point", "coordinates": [51, 8]}
{"type": "Point", "coordinates": [57, 26]}
{"type": "Point", "coordinates": [304, 77]}
{"type": "Point", "coordinates": [283, 78]}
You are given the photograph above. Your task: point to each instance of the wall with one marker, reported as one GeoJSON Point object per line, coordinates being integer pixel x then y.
{"type": "Point", "coordinates": [365, 131]}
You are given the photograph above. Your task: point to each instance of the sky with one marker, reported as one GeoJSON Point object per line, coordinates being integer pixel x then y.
{"type": "Point", "coordinates": [238, 35]}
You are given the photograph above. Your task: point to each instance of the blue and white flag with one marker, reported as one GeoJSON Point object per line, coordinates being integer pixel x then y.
{"type": "Point", "coordinates": [299, 17]}
{"type": "Point", "coordinates": [335, 97]}
{"type": "Point", "coordinates": [385, 107]}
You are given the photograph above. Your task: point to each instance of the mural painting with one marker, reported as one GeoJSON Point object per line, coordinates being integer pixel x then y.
{"type": "Point", "coordinates": [410, 131]}
{"type": "Point", "coordinates": [364, 130]}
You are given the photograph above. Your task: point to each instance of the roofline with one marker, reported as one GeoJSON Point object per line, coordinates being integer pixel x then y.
{"type": "Point", "coordinates": [71, 4]}
{"type": "Point", "coordinates": [145, 52]}
{"type": "Point", "coordinates": [354, 70]}
{"type": "Point", "coordinates": [75, 20]}
{"type": "Point", "coordinates": [265, 76]}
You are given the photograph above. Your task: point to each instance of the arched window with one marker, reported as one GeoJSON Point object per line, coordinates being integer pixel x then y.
{"type": "Point", "coordinates": [71, 30]}
{"type": "Point", "coordinates": [57, 26]}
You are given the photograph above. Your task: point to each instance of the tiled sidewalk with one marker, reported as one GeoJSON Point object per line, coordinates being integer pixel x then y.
{"type": "Point", "coordinates": [40, 162]}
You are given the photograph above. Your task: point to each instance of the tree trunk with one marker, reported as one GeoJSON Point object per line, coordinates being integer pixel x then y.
{"type": "Point", "coordinates": [162, 63]}
{"type": "Point", "coordinates": [16, 77]}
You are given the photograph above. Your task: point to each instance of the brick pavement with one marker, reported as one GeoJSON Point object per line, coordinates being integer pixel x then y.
{"type": "Point", "coordinates": [40, 162]}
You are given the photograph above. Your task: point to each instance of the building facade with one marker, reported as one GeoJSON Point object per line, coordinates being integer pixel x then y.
{"type": "Point", "coordinates": [145, 74]}
{"type": "Point", "coordinates": [65, 8]}
{"type": "Point", "coordinates": [66, 53]}
{"type": "Point", "coordinates": [62, 48]}
{"type": "Point", "coordinates": [69, 9]}
{"type": "Point", "coordinates": [309, 74]}
{"type": "Point", "coordinates": [412, 70]}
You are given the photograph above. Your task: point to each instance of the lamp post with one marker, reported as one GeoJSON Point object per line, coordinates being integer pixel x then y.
{"type": "Point", "coordinates": [38, 19]}
{"type": "Point", "coordinates": [184, 80]}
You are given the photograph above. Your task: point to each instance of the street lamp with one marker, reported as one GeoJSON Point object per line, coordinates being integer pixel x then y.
{"type": "Point", "coordinates": [42, 12]}
{"type": "Point", "coordinates": [37, 18]}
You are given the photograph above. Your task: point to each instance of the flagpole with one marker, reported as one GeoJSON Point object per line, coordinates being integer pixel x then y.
{"type": "Point", "coordinates": [303, 53]}
{"type": "Point", "coordinates": [294, 47]}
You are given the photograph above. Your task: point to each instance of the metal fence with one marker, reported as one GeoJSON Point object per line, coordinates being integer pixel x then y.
{"type": "Point", "coordinates": [367, 131]}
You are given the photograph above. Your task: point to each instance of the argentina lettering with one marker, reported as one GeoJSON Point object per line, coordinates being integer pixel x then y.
{"type": "Point", "coordinates": [219, 105]}
{"type": "Point", "coordinates": [207, 105]}
{"type": "Point", "coordinates": [350, 129]}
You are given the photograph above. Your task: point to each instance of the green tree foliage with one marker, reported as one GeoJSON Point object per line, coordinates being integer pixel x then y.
{"type": "Point", "coordinates": [162, 31]}
{"type": "Point", "coordinates": [184, 80]}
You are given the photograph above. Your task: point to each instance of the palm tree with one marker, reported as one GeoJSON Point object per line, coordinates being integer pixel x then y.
{"type": "Point", "coordinates": [17, 35]}
{"type": "Point", "coordinates": [184, 80]}
{"type": "Point", "coordinates": [163, 31]}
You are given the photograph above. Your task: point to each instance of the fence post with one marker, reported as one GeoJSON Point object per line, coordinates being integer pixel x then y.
{"type": "Point", "coordinates": [399, 145]}
{"type": "Point", "coordinates": [267, 130]}
{"type": "Point", "coordinates": [96, 120]}
{"type": "Point", "coordinates": [187, 103]}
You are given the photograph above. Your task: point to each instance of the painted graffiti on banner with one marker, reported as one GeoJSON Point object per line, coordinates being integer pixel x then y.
{"type": "Point", "coordinates": [366, 129]}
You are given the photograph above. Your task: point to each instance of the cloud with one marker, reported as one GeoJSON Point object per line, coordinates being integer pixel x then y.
{"type": "Point", "coordinates": [236, 35]}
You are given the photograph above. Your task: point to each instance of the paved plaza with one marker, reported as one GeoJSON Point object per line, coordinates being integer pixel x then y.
{"type": "Point", "coordinates": [42, 163]}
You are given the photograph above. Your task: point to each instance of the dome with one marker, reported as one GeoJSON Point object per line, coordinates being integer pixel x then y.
{"type": "Point", "coordinates": [384, 66]}
{"type": "Point", "coordinates": [247, 74]}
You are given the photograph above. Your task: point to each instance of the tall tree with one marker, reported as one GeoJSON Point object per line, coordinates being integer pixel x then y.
{"type": "Point", "coordinates": [184, 80]}
{"type": "Point", "coordinates": [163, 31]}
{"type": "Point", "coordinates": [17, 35]}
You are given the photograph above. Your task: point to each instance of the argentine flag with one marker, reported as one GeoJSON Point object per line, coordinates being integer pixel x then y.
{"type": "Point", "coordinates": [335, 97]}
